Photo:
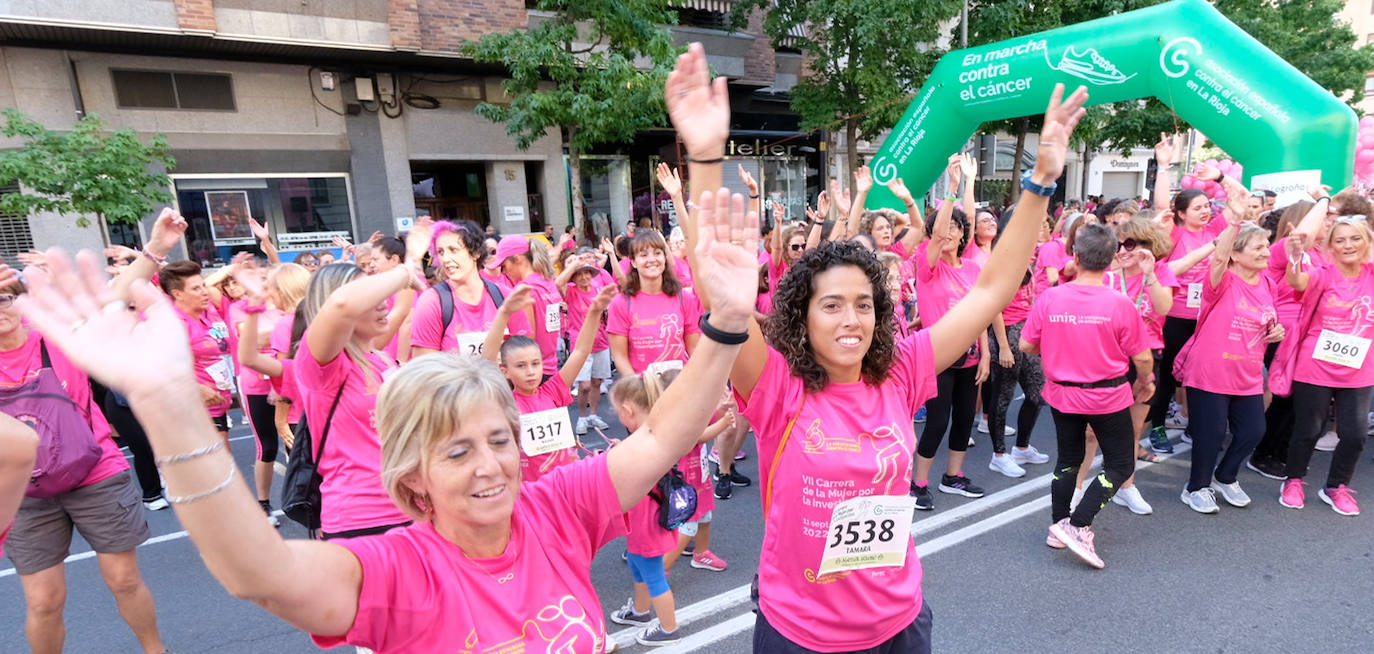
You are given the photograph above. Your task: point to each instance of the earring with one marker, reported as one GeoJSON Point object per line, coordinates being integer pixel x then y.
{"type": "Point", "coordinates": [422, 503]}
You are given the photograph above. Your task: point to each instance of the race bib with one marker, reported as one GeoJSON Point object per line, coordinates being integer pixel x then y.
{"type": "Point", "coordinates": [553, 317]}
{"type": "Point", "coordinates": [471, 343]}
{"type": "Point", "coordinates": [542, 432]}
{"type": "Point", "coordinates": [222, 373]}
{"type": "Point", "coordinates": [660, 367]}
{"type": "Point", "coordinates": [868, 532]}
{"type": "Point", "coordinates": [1341, 349]}
{"type": "Point", "coordinates": [1194, 296]}
{"type": "Point", "coordinates": [706, 462]}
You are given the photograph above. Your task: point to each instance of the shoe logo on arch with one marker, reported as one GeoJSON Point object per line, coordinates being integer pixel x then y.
{"type": "Point", "coordinates": [1089, 66]}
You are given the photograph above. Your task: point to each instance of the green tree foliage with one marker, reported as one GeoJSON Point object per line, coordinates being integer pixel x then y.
{"type": "Point", "coordinates": [577, 71]}
{"type": "Point", "coordinates": [864, 57]}
{"type": "Point", "coordinates": [84, 171]}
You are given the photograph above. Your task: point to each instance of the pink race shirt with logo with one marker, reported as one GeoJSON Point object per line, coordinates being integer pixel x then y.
{"type": "Point", "coordinates": [427, 320]}
{"type": "Point", "coordinates": [1133, 287]}
{"type": "Point", "coordinates": [1345, 306]}
{"type": "Point", "coordinates": [1227, 356]}
{"type": "Point", "coordinates": [1086, 334]}
{"type": "Point", "coordinates": [537, 596]}
{"type": "Point", "coordinates": [1186, 241]}
{"type": "Point", "coordinates": [551, 394]}
{"type": "Point", "coordinates": [940, 287]}
{"type": "Point", "coordinates": [209, 337]}
{"type": "Point", "coordinates": [848, 440]}
{"type": "Point", "coordinates": [656, 325]}
{"type": "Point", "coordinates": [545, 296]}
{"type": "Point", "coordinates": [579, 304]}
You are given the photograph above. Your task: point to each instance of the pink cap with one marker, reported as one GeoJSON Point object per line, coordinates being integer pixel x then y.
{"type": "Point", "coordinates": [509, 245]}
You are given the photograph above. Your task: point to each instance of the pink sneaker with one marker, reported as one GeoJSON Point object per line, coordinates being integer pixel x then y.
{"type": "Point", "coordinates": [1341, 499]}
{"type": "Point", "coordinates": [1293, 496]}
{"type": "Point", "coordinates": [1051, 541]}
{"type": "Point", "coordinates": [1079, 540]}
{"type": "Point", "coordinates": [705, 560]}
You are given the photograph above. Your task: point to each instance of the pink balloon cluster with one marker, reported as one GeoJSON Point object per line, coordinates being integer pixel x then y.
{"type": "Point", "coordinates": [1213, 189]}
{"type": "Point", "coordinates": [1364, 152]}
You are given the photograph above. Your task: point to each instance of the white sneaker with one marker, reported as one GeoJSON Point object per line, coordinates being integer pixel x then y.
{"type": "Point", "coordinates": [1186, 437]}
{"type": "Point", "coordinates": [156, 504]}
{"type": "Point", "coordinates": [1231, 493]}
{"type": "Point", "coordinates": [1005, 465]}
{"type": "Point", "coordinates": [1008, 430]}
{"type": "Point", "coordinates": [1327, 443]}
{"type": "Point", "coordinates": [1203, 500]}
{"type": "Point", "coordinates": [982, 425]}
{"type": "Point", "coordinates": [596, 421]}
{"type": "Point", "coordinates": [581, 427]}
{"type": "Point", "coordinates": [1175, 418]}
{"type": "Point", "coordinates": [1028, 455]}
{"type": "Point", "coordinates": [1131, 499]}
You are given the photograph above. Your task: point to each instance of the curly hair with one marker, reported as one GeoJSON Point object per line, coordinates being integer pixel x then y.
{"type": "Point", "coordinates": [469, 235]}
{"type": "Point", "coordinates": [959, 219]}
{"type": "Point", "coordinates": [786, 328]}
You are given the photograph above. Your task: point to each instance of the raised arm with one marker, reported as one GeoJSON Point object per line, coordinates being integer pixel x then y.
{"type": "Point", "coordinates": [264, 237]}
{"type": "Point", "coordinates": [915, 227]}
{"type": "Point", "coordinates": [517, 301]}
{"type": "Point", "coordinates": [1165, 151]}
{"type": "Point", "coordinates": [1295, 247]}
{"type": "Point", "coordinates": [1161, 296]}
{"type": "Point", "coordinates": [997, 284]}
{"type": "Point", "coordinates": [332, 328]}
{"type": "Point", "coordinates": [1312, 221]}
{"type": "Point", "coordinates": [968, 167]}
{"type": "Point", "coordinates": [1221, 258]}
{"type": "Point", "coordinates": [1186, 262]}
{"type": "Point", "coordinates": [250, 338]}
{"type": "Point", "coordinates": [586, 337]}
{"type": "Point", "coordinates": [168, 230]}
{"type": "Point", "coordinates": [863, 183]}
{"type": "Point", "coordinates": [944, 216]}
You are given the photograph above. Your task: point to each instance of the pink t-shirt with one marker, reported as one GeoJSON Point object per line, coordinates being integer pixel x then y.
{"type": "Point", "coordinates": [286, 385]}
{"type": "Point", "coordinates": [1134, 289]}
{"type": "Point", "coordinates": [683, 271]}
{"type": "Point", "coordinates": [209, 337]}
{"type": "Point", "coordinates": [1286, 301]}
{"type": "Point", "coordinates": [22, 363]}
{"type": "Point", "coordinates": [427, 321]}
{"type": "Point", "coordinates": [1020, 306]}
{"type": "Point", "coordinates": [646, 537]}
{"type": "Point", "coordinates": [351, 467]}
{"type": "Point", "coordinates": [537, 596]}
{"type": "Point", "coordinates": [940, 287]}
{"type": "Point", "coordinates": [656, 325]}
{"type": "Point", "coordinates": [1346, 306]}
{"type": "Point", "coordinates": [1086, 334]}
{"type": "Point", "coordinates": [849, 440]}
{"type": "Point", "coordinates": [546, 299]}
{"type": "Point", "coordinates": [764, 303]}
{"type": "Point", "coordinates": [252, 382]}
{"type": "Point", "coordinates": [1184, 242]}
{"type": "Point", "coordinates": [699, 478]}
{"type": "Point", "coordinates": [976, 254]}
{"type": "Point", "coordinates": [551, 394]}
{"type": "Point", "coordinates": [1050, 254]}
{"type": "Point", "coordinates": [579, 304]}
{"type": "Point", "coordinates": [1227, 356]}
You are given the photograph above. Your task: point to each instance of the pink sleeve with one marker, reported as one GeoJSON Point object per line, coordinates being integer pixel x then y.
{"type": "Point", "coordinates": [915, 365]}
{"type": "Point", "coordinates": [555, 391]}
{"type": "Point", "coordinates": [1164, 276]}
{"type": "Point", "coordinates": [625, 266]}
{"type": "Point", "coordinates": [581, 506]}
{"type": "Point", "coordinates": [1132, 330]}
{"type": "Point", "coordinates": [692, 320]}
{"type": "Point", "coordinates": [618, 316]}
{"type": "Point", "coordinates": [1031, 331]}
{"type": "Point", "coordinates": [315, 375]}
{"type": "Point", "coordinates": [426, 323]}
{"type": "Point", "coordinates": [393, 597]}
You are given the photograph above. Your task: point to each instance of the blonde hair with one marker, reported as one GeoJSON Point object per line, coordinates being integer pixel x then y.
{"type": "Point", "coordinates": [289, 280]}
{"type": "Point", "coordinates": [425, 402]}
{"type": "Point", "coordinates": [540, 259]}
{"type": "Point", "coordinates": [1360, 224]}
{"type": "Point", "coordinates": [1141, 231]}
{"type": "Point", "coordinates": [323, 283]}
{"type": "Point", "coordinates": [643, 389]}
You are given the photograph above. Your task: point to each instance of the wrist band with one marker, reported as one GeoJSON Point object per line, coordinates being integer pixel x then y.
{"type": "Point", "coordinates": [193, 454]}
{"type": "Point", "coordinates": [160, 261]}
{"type": "Point", "coordinates": [722, 337]}
{"type": "Point", "coordinates": [754, 196]}
{"type": "Point", "coordinates": [717, 160]}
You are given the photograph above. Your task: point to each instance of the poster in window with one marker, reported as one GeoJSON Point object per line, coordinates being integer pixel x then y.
{"type": "Point", "coordinates": [229, 215]}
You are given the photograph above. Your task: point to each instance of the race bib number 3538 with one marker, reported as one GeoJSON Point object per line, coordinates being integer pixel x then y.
{"type": "Point", "coordinates": [868, 532]}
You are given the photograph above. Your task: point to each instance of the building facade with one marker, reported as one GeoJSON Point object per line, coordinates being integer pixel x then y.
{"type": "Point", "coordinates": [326, 118]}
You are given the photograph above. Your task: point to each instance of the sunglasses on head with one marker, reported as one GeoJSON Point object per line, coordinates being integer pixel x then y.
{"type": "Point", "coordinates": [1128, 245]}
{"type": "Point", "coordinates": [798, 247]}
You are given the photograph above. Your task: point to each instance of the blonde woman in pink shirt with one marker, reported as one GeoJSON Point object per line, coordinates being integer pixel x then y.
{"type": "Point", "coordinates": [831, 392]}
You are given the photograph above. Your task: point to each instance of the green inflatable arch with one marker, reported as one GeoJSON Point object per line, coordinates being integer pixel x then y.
{"type": "Point", "coordinates": [1254, 105]}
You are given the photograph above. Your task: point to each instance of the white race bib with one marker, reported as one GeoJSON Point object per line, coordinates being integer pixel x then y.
{"type": "Point", "coordinates": [222, 373]}
{"type": "Point", "coordinates": [471, 343]}
{"type": "Point", "coordinates": [1341, 349]}
{"type": "Point", "coordinates": [1194, 296]}
{"type": "Point", "coordinates": [706, 462]}
{"type": "Point", "coordinates": [868, 532]}
{"type": "Point", "coordinates": [542, 432]}
{"type": "Point", "coordinates": [553, 317]}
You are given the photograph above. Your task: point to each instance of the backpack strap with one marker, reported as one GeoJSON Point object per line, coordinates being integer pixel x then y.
{"type": "Point", "coordinates": [494, 291]}
{"type": "Point", "coordinates": [47, 363]}
{"type": "Point", "coordinates": [329, 420]}
{"type": "Point", "coordinates": [445, 305]}
{"type": "Point", "coordinates": [43, 353]}
{"type": "Point", "coordinates": [777, 456]}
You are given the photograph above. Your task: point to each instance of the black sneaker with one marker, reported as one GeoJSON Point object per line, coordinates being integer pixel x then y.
{"type": "Point", "coordinates": [739, 480]}
{"type": "Point", "coordinates": [267, 508]}
{"type": "Point", "coordinates": [924, 500]}
{"type": "Point", "coordinates": [690, 549]}
{"type": "Point", "coordinates": [959, 485]}
{"type": "Point", "coordinates": [1269, 468]}
{"type": "Point", "coordinates": [723, 487]}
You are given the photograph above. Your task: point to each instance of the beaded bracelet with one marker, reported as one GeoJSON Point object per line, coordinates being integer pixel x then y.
{"type": "Point", "coordinates": [193, 454]}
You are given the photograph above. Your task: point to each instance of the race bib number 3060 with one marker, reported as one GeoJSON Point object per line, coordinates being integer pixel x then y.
{"type": "Point", "coordinates": [868, 532]}
{"type": "Point", "coordinates": [1341, 349]}
{"type": "Point", "coordinates": [542, 432]}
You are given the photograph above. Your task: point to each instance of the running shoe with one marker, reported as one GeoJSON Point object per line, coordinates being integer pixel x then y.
{"type": "Point", "coordinates": [690, 549]}
{"type": "Point", "coordinates": [1159, 441]}
{"type": "Point", "coordinates": [959, 485]}
{"type": "Point", "coordinates": [1292, 495]}
{"type": "Point", "coordinates": [1341, 499]}
{"type": "Point", "coordinates": [1202, 500]}
{"type": "Point", "coordinates": [738, 479]}
{"type": "Point", "coordinates": [925, 501]}
{"type": "Point", "coordinates": [626, 615]}
{"type": "Point", "coordinates": [983, 424]}
{"type": "Point", "coordinates": [707, 560]}
{"type": "Point", "coordinates": [1186, 436]}
{"type": "Point", "coordinates": [1006, 465]}
{"type": "Point", "coordinates": [1267, 468]}
{"type": "Point", "coordinates": [741, 455]}
{"type": "Point", "coordinates": [596, 421]}
{"type": "Point", "coordinates": [656, 636]}
{"type": "Point", "coordinates": [1131, 499]}
{"type": "Point", "coordinates": [1028, 455]}
{"type": "Point", "coordinates": [1232, 493]}
{"type": "Point", "coordinates": [155, 503]}
{"type": "Point", "coordinates": [1327, 443]}
{"type": "Point", "coordinates": [921, 416]}
{"type": "Point", "coordinates": [1051, 541]}
{"type": "Point", "coordinates": [723, 487]}
{"type": "Point", "coordinates": [972, 442]}
{"type": "Point", "coordinates": [1175, 418]}
{"type": "Point", "coordinates": [581, 426]}
{"type": "Point", "coordinates": [1079, 540]}
{"type": "Point", "coordinates": [267, 508]}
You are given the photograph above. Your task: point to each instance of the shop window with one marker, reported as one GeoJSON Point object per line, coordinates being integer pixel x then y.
{"type": "Point", "coordinates": [303, 213]}
{"type": "Point", "coordinates": [143, 89]}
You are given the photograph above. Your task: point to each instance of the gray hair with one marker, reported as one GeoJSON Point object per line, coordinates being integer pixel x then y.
{"type": "Point", "coordinates": [1095, 246]}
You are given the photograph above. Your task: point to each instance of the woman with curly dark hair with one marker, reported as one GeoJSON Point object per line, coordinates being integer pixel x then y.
{"type": "Point", "coordinates": [830, 392]}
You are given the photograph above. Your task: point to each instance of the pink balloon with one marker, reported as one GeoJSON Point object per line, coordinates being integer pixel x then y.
{"type": "Point", "coordinates": [1367, 120]}
{"type": "Point", "coordinates": [1211, 162]}
{"type": "Point", "coordinates": [1187, 181]}
{"type": "Point", "coordinates": [1364, 156]}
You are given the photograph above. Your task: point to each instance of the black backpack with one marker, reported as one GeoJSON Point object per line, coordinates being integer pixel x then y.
{"type": "Point", "coordinates": [300, 489]}
{"type": "Point", "coordinates": [446, 299]}
{"type": "Point", "coordinates": [676, 499]}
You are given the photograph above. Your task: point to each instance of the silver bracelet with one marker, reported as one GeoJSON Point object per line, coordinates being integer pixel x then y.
{"type": "Point", "coordinates": [193, 454]}
{"type": "Point", "coordinates": [187, 499]}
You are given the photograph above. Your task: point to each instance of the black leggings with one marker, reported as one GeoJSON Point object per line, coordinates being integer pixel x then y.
{"type": "Point", "coordinates": [952, 408]}
{"type": "Point", "coordinates": [1310, 403]}
{"type": "Point", "coordinates": [1210, 416]}
{"type": "Point", "coordinates": [131, 432]}
{"type": "Point", "coordinates": [1026, 371]}
{"type": "Point", "coordinates": [1177, 331]}
{"type": "Point", "coordinates": [1116, 437]}
{"type": "Point", "coordinates": [263, 416]}
{"type": "Point", "coordinates": [1278, 422]}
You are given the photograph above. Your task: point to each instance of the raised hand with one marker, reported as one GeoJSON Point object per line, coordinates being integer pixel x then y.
{"type": "Point", "coordinates": [899, 189]}
{"type": "Point", "coordinates": [748, 181]}
{"type": "Point", "coordinates": [259, 230]}
{"type": "Point", "coordinates": [343, 244]}
{"type": "Point", "coordinates": [727, 250]}
{"type": "Point", "coordinates": [1166, 149]}
{"type": "Point", "coordinates": [1296, 244]}
{"type": "Point", "coordinates": [418, 238]}
{"type": "Point", "coordinates": [968, 166]}
{"type": "Point", "coordinates": [168, 230]}
{"type": "Point", "coordinates": [8, 275]}
{"type": "Point", "coordinates": [120, 252]}
{"type": "Point", "coordinates": [954, 169]}
{"type": "Point", "coordinates": [823, 204]}
{"type": "Point", "coordinates": [779, 213]}
{"type": "Point", "coordinates": [518, 300]}
{"type": "Point", "coordinates": [79, 313]}
{"type": "Point", "coordinates": [1061, 118]}
{"type": "Point", "coordinates": [698, 106]}
{"type": "Point", "coordinates": [863, 180]}
{"type": "Point", "coordinates": [669, 179]}
{"type": "Point", "coordinates": [1319, 191]}
{"type": "Point", "coordinates": [604, 297]}
{"type": "Point", "coordinates": [250, 278]}
{"type": "Point", "coordinates": [1145, 259]}
{"type": "Point", "coordinates": [32, 258]}
{"type": "Point", "coordinates": [376, 236]}
{"type": "Point", "coordinates": [1207, 173]}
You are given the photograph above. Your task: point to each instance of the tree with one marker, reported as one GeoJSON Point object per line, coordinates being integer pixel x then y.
{"type": "Point", "coordinates": [83, 171]}
{"type": "Point", "coordinates": [582, 79]}
{"type": "Point", "coordinates": [864, 57]}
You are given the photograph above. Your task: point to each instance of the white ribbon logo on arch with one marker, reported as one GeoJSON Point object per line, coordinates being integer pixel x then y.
{"type": "Point", "coordinates": [883, 170]}
{"type": "Point", "coordinates": [1176, 53]}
